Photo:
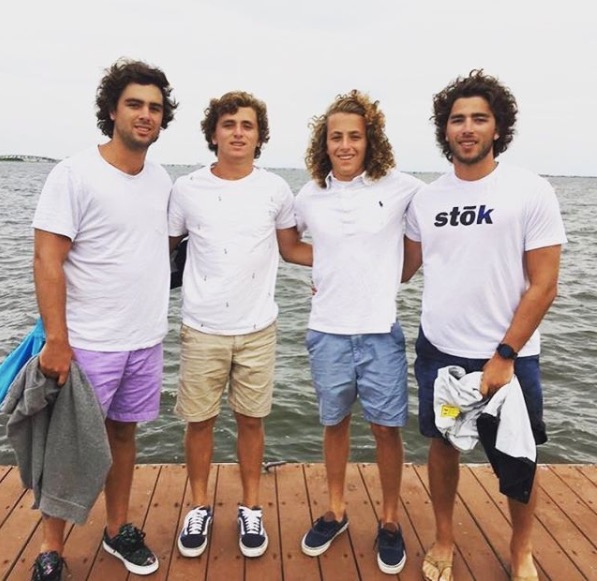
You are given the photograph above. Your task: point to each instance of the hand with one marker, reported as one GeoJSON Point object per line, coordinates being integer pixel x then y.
{"type": "Point", "coordinates": [497, 372]}
{"type": "Point", "coordinates": [54, 361]}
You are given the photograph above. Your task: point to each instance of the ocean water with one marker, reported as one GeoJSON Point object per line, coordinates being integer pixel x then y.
{"type": "Point", "coordinates": [293, 432]}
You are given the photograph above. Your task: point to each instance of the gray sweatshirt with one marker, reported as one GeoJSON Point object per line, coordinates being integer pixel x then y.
{"type": "Point", "coordinates": [59, 438]}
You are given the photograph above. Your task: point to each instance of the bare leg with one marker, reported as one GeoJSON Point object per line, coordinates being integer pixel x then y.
{"type": "Point", "coordinates": [390, 458]}
{"type": "Point", "coordinates": [521, 547]}
{"type": "Point", "coordinates": [121, 436]}
{"type": "Point", "coordinates": [199, 452]}
{"type": "Point", "coordinates": [336, 446]}
{"type": "Point", "coordinates": [53, 534]}
{"type": "Point", "coordinates": [250, 444]}
{"type": "Point", "coordinates": [444, 472]}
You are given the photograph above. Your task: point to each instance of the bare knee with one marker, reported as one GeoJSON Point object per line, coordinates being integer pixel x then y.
{"type": "Point", "coordinates": [248, 423]}
{"type": "Point", "coordinates": [385, 433]}
{"type": "Point", "coordinates": [198, 429]}
{"type": "Point", "coordinates": [120, 433]}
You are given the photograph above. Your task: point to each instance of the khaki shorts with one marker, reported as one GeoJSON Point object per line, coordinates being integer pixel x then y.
{"type": "Point", "coordinates": [208, 363]}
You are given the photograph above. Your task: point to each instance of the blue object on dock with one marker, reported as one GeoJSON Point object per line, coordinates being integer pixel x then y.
{"type": "Point", "coordinates": [31, 345]}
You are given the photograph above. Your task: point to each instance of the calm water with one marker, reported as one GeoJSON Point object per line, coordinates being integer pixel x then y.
{"type": "Point", "coordinates": [293, 431]}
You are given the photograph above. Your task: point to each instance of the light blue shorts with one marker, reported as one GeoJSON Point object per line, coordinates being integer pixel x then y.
{"type": "Point", "coordinates": [127, 383]}
{"type": "Point", "coordinates": [371, 367]}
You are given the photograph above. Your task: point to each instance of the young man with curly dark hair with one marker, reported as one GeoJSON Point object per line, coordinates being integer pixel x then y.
{"type": "Point", "coordinates": [102, 275]}
{"type": "Point", "coordinates": [238, 218]}
{"type": "Point", "coordinates": [489, 236]}
{"type": "Point", "coordinates": [353, 210]}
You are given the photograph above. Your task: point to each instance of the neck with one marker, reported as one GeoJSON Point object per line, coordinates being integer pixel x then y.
{"type": "Point", "coordinates": [227, 170]}
{"type": "Point", "coordinates": [475, 171]}
{"type": "Point", "coordinates": [126, 160]}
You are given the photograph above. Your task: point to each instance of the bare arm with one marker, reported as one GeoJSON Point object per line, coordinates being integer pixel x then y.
{"type": "Point", "coordinates": [174, 241]}
{"type": "Point", "coordinates": [292, 248]}
{"type": "Point", "coordinates": [50, 252]}
{"type": "Point", "coordinates": [413, 258]}
{"type": "Point", "coordinates": [542, 265]}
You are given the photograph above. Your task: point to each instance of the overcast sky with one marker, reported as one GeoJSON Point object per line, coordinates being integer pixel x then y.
{"type": "Point", "coordinates": [297, 57]}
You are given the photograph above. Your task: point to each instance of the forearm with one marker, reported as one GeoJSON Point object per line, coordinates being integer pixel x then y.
{"type": "Point", "coordinates": [300, 253]}
{"type": "Point", "coordinates": [533, 306]}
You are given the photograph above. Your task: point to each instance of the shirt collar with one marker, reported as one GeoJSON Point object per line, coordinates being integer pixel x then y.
{"type": "Point", "coordinates": [363, 179]}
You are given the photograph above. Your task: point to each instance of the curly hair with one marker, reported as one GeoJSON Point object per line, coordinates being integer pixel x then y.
{"type": "Point", "coordinates": [229, 103]}
{"type": "Point", "coordinates": [117, 78]}
{"type": "Point", "coordinates": [478, 84]}
{"type": "Point", "coordinates": [379, 157]}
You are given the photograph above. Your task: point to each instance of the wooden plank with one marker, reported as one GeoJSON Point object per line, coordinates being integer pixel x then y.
{"type": "Point", "coordinates": [463, 529]}
{"type": "Point", "coordinates": [144, 482]}
{"type": "Point", "coordinates": [295, 521]}
{"type": "Point", "coordinates": [590, 471]}
{"type": "Point", "coordinates": [164, 514]}
{"type": "Point", "coordinates": [573, 476]}
{"type": "Point", "coordinates": [412, 567]}
{"type": "Point", "coordinates": [225, 558]}
{"type": "Point", "coordinates": [268, 567]}
{"type": "Point", "coordinates": [16, 532]}
{"type": "Point", "coordinates": [363, 524]}
{"type": "Point", "coordinates": [419, 515]}
{"type": "Point", "coordinates": [562, 513]}
{"type": "Point", "coordinates": [83, 543]}
{"type": "Point", "coordinates": [551, 560]}
{"type": "Point", "coordinates": [338, 562]}
{"type": "Point", "coordinates": [11, 493]}
{"type": "Point", "coordinates": [183, 568]}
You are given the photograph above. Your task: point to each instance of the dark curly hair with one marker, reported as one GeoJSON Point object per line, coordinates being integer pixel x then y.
{"type": "Point", "coordinates": [379, 157]}
{"type": "Point", "coordinates": [501, 102]}
{"type": "Point", "coordinates": [117, 78]}
{"type": "Point", "coordinates": [229, 103]}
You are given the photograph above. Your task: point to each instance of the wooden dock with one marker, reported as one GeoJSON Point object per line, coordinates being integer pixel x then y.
{"type": "Point", "coordinates": [565, 535]}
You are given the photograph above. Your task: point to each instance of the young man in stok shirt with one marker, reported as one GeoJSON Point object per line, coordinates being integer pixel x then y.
{"type": "Point", "coordinates": [489, 237]}
{"type": "Point", "coordinates": [354, 211]}
{"type": "Point", "coordinates": [238, 218]}
{"type": "Point", "coordinates": [102, 276]}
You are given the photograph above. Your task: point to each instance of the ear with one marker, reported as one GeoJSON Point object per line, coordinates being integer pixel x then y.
{"type": "Point", "coordinates": [113, 115]}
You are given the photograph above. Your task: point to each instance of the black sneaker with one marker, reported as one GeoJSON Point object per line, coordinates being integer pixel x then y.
{"type": "Point", "coordinates": [192, 540]}
{"type": "Point", "coordinates": [391, 552]}
{"type": "Point", "coordinates": [252, 536]}
{"type": "Point", "coordinates": [47, 567]}
{"type": "Point", "coordinates": [324, 530]}
{"type": "Point", "coordinates": [128, 546]}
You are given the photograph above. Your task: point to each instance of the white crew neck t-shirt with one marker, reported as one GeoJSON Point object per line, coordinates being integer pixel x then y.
{"type": "Point", "coordinates": [474, 235]}
{"type": "Point", "coordinates": [117, 270]}
{"type": "Point", "coordinates": [232, 257]}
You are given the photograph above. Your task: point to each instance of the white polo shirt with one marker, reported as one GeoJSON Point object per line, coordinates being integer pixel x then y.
{"type": "Point", "coordinates": [357, 232]}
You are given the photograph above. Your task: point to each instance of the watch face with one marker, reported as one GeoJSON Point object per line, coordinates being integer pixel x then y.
{"type": "Point", "coordinates": [506, 351]}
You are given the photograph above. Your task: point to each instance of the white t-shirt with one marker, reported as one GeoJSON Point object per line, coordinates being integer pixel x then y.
{"type": "Point", "coordinates": [357, 230]}
{"type": "Point", "coordinates": [117, 270]}
{"type": "Point", "coordinates": [474, 235]}
{"type": "Point", "coordinates": [232, 257]}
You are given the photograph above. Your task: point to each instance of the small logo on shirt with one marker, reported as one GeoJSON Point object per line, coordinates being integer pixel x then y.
{"type": "Point", "coordinates": [466, 216]}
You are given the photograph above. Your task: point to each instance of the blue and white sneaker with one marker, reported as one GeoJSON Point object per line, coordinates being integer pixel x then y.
{"type": "Point", "coordinates": [391, 552]}
{"type": "Point", "coordinates": [252, 536]}
{"type": "Point", "coordinates": [320, 536]}
{"type": "Point", "coordinates": [192, 540]}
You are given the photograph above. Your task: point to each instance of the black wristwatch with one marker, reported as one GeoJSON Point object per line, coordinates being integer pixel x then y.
{"type": "Point", "coordinates": [506, 352]}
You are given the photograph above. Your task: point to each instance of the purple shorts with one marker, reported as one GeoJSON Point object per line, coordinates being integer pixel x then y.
{"type": "Point", "coordinates": [127, 383]}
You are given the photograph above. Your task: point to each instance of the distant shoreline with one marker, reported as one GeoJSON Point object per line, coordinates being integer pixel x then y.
{"type": "Point", "coordinates": [42, 159]}
{"type": "Point", "coordinates": [28, 158]}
